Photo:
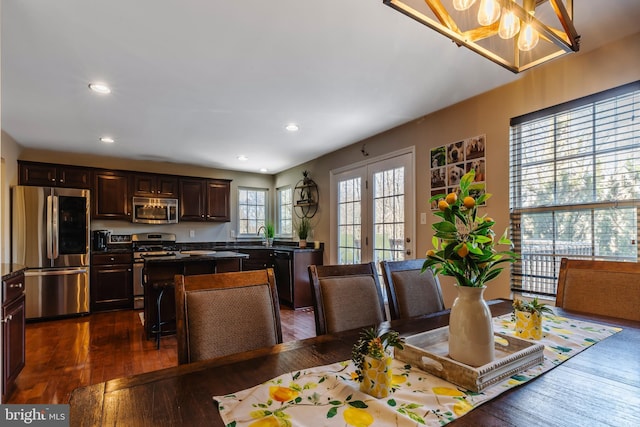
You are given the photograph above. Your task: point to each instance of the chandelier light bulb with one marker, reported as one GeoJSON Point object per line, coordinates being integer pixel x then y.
{"type": "Point", "coordinates": [528, 38]}
{"type": "Point", "coordinates": [463, 4]}
{"type": "Point", "coordinates": [489, 12]}
{"type": "Point", "coordinates": [509, 25]}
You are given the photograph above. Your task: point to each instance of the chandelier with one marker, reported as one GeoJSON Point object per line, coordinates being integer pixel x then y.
{"type": "Point", "coordinates": [516, 34]}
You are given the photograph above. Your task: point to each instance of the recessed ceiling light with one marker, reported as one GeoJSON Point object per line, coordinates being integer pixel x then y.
{"type": "Point", "coordinates": [100, 88]}
{"type": "Point", "coordinates": [263, 170]}
{"type": "Point", "coordinates": [107, 139]}
{"type": "Point", "coordinates": [292, 127]}
{"type": "Point", "coordinates": [243, 158]}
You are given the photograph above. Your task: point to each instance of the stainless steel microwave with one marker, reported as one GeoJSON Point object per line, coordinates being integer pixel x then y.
{"type": "Point", "coordinates": [147, 210]}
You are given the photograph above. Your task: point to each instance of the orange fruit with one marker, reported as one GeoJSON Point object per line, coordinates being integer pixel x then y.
{"type": "Point", "coordinates": [451, 198]}
{"type": "Point", "coordinates": [431, 252]}
{"type": "Point", "coordinates": [443, 205]}
{"type": "Point", "coordinates": [488, 219]}
{"type": "Point", "coordinates": [463, 251]}
{"type": "Point", "coordinates": [469, 202]}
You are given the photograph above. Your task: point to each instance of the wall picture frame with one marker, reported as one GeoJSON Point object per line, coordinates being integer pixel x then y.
{"type": "Point", "coordinates": [451, 161]}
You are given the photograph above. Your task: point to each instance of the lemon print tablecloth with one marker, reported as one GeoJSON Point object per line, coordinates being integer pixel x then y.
{"type": "Point", "coordinates": [328, 395]}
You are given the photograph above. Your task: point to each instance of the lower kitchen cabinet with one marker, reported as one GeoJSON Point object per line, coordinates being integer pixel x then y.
{"type": "Point", "coordinates": [291, 270]}
{"type": "Point", "coordinates": [13, 332]}
{"type": "Point", "coordinates": [111, 281]}
{"type": "Point", "coordinates": [292, 276]}
{"type": "Point", "coordinates": [259, 259]}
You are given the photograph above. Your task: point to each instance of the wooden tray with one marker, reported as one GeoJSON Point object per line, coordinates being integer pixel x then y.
{"type": "Point", "coordinates": [429, 351]}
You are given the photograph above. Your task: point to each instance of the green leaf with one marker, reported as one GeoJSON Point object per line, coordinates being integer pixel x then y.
{"type": "Point", "coordinates": [415, 417]}
{"type": "Point", "coordinates": [332, 412]}
{"type": "Point", "coordinates": [437, 197]}
{"type": "Point", "coordinates": [231, 424]}
{"type": "Point", "coordinates": [445, 227]}
{"type": "Point", "coordinates": [358, 404]}
{"type": "Point", "coordinates": [482, 239]}
{"type": "Point", "coordinates": [335, 402]}
{"type": "Point", "coordinates": [466, 180]}
{"type": "Point", "coordinates": [391, 402]}
{"type": "Point", "coordinates": [296, 375]}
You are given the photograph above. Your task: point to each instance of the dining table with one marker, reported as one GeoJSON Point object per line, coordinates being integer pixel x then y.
{"type": "Point", "coordinates": [598, 386]}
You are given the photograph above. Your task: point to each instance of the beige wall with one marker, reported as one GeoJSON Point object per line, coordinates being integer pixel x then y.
{"type": "Point", "coordinates": [571, 77]}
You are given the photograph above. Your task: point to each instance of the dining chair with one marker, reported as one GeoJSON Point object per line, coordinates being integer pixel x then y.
{"type": "Point", "coordinates": [606, 288]}
{"type": "Point", "coordinates": [225, 313]}
{"type": "Point", "coordinates": [346, 297]}
{"type": "Point", "coordinates": [410, 292]}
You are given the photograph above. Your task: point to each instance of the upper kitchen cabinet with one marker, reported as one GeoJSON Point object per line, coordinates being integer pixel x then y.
{"type": "Point", "coordinates": [152, 185]}
{"type": "Point", "coordinates": [111, 195]}
{"type": "Point", "coordinates": [205, 199]}
{"type": "Point", "coordinates": [52, 175]}
{"type": "Point", "coordinates": [218, 204]}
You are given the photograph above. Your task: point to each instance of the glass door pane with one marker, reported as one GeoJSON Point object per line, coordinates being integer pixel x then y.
{"type": "Point", "coordinates": [350, 220]}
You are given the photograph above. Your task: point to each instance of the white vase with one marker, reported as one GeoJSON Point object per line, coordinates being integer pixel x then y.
{"type": "Point", "coordinates": [470, 328]}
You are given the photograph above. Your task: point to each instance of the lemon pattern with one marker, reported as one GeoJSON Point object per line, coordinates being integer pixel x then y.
{"type": "Point", "coordinates": [330, 395]}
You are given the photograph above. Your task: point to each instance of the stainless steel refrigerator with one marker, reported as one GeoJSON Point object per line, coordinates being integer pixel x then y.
{"type": "Point", "coordinates": [50, 236]}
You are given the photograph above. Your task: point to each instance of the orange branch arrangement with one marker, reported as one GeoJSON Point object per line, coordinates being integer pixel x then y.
{"type": "Point", "coordinates": [464, 243]}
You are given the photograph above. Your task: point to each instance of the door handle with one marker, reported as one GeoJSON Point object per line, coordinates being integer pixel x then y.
{"type": "Point", "coordinates": [35, 273]}
{"type": "Point", "coordinates": [7, 319]}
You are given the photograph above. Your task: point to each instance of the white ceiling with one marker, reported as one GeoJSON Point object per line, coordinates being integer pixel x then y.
{"type": "Point", "coordinates": [203, 81]}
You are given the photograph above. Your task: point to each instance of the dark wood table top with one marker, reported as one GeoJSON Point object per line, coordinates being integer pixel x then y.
{"type": "Point", "coordinates": [599, 386]}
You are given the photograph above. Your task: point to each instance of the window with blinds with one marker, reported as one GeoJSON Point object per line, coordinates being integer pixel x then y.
{"type": "Point", "coordinates": [575, 185]}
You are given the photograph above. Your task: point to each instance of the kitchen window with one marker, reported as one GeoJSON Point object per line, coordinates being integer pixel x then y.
{"type": "Point", "coordinates": [575, 185]}
{"type": "Point", "coordinates": [252, 211]}
{"type": "Point", "coordinates": [285, 211]}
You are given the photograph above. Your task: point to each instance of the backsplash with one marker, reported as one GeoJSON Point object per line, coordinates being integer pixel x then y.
{"type": "Point", "coordinates": [202, 232]}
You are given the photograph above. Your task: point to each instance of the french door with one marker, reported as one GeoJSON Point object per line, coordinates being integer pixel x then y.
{"type": "Point", "coordinates": [373, 211]}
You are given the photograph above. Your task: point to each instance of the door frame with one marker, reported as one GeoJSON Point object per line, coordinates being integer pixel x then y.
{"type": "Point", "coordinates": [410, 216]}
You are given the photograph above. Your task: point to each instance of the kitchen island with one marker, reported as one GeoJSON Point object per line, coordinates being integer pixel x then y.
{"type": "Point", "coordinates": [158, 276]}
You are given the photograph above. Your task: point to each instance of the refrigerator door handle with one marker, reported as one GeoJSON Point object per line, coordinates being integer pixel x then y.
{"type": "Point", "coordinates": [49, 227]}
{"type": "Point", "coordinates": [69, 271]}
{"type": "Point", "coordinates": [54, 222]}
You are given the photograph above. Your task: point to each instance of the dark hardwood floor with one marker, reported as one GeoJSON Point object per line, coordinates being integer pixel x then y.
{"type": "Point", "coordinates": [62, 355]}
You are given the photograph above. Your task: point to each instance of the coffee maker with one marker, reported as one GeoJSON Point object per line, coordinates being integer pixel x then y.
{"type": "Point", "coordinates": [100, 240]}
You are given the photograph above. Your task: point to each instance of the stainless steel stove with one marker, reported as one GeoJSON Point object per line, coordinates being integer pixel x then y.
{"type": "Point", "coordinates": [148, 245]}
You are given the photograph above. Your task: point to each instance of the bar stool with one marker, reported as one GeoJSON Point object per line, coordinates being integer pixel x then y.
{"type": "Point", "coordinates": [161, 288]}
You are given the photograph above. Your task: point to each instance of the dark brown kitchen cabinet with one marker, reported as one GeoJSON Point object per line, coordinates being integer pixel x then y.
{"type": "Point", "coordinates": [152, 185]}
{"type": "Point", "coordinates": [259, 259]}
{"type": "Point", "coordinates": [292, 275]}
{"type": "Point", "coordinates": [192, 199]}
{"type": "Point", "coordinates": [13, 331]}
{"type": "Point", "coordinates": [111, 281]}
{"type": "Point", "coordinates": [291, 270]}
{"type": "Point", "coordinates": [111, 198]}
{"type": "Point", "coordinates": [218, 204]}
{"type": "Point", "coordinates": [205, 200]}
{"type": "Point", "coordinates": [53, 175]}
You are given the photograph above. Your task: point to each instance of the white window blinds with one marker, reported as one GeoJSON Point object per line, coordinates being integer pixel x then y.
{"type": "Point", "coordinates": [575, 185]}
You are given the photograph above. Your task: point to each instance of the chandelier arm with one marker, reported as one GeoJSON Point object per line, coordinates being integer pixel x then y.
{"type": "Point", "coordinates": [480, 33]}
{"type": "Point", "coordinates": [566, 20]}
{"type": "Point", "coordinates": [442, 15]}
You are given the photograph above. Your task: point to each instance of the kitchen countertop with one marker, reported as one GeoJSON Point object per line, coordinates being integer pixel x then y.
{"type": "Point", "coordinates": [9, 270]}
{"type": "Point", "coordinates": [182, 257]}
